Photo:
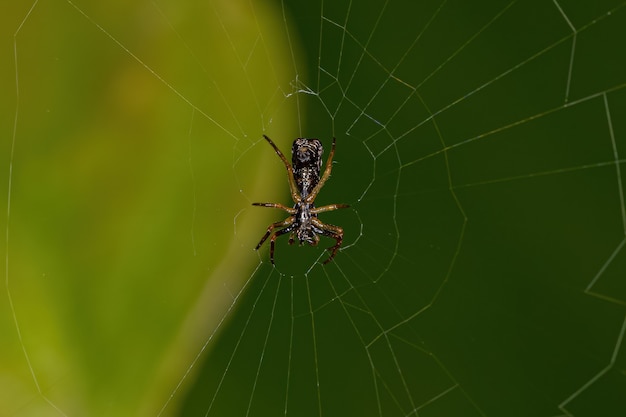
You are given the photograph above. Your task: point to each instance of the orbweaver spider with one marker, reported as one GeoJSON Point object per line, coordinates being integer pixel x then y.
{"type": "Point", "coordinates": [305, 183]}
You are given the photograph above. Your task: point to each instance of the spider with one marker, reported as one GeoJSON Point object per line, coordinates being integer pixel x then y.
{"type": "Point", "coordinates": [305, 183]}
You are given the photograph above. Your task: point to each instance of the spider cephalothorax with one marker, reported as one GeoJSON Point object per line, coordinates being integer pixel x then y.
{"type": "Point", "coordinates": [304, 183]}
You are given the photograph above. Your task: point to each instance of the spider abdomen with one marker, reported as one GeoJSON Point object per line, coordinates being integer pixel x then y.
{"type": "Point", "coordinates": [306, 179]}
{"type": "Point", "coordinates": [306, 157]}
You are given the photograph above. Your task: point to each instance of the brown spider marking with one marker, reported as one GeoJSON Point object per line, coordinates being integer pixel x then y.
{"type": "Point", "coordinates": [305, 183]}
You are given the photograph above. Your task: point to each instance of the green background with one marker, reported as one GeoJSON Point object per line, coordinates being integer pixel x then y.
{"type": "Point", "coordinates": [481, 149]}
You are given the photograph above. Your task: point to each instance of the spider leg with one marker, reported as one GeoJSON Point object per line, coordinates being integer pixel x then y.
{"type": "Point", "coordinates": [330, 230]}
{"type": "Point", "coordinates": [276, 205]}
{"type": "Point", "coordinates": [273, 239]}
{"type": "Point", "coordinates": [327, 169]}
{"type": "Point", "coordinates": [292, 181]}
{"type": "Point", "coordinates": [287, 222]}
{"type": "Point", "coordinates": [329, 207]}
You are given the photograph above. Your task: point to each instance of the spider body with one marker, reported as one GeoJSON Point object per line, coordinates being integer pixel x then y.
{"type": "Point", "coordinates": [304, 183]}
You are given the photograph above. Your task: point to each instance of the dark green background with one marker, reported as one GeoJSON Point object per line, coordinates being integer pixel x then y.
{"type": "Point", "coordinates": [493, 202]}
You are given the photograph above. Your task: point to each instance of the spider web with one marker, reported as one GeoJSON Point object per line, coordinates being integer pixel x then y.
{"type": "Point", "coordinates": [480, 147]}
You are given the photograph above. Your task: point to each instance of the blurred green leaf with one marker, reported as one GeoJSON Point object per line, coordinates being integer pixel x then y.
{"type": "Point", "coordinates": [123, 197]}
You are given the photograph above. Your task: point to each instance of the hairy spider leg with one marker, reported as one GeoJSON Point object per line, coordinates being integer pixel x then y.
{"type": "Point", "coordinates": [287, 222]}
{"type": "Point", "coordinates": [289, 210]}
{"type": "Point", "coordinates": [329, 207]}
{"type": "Point", "coordinates": [327, 169]}
{"type": "Point", "coordinates": [332, 231]}
{"type": "Point", "coordinates": [295, 196]}
{"type": "Point", "coordinates": [287, 229]}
